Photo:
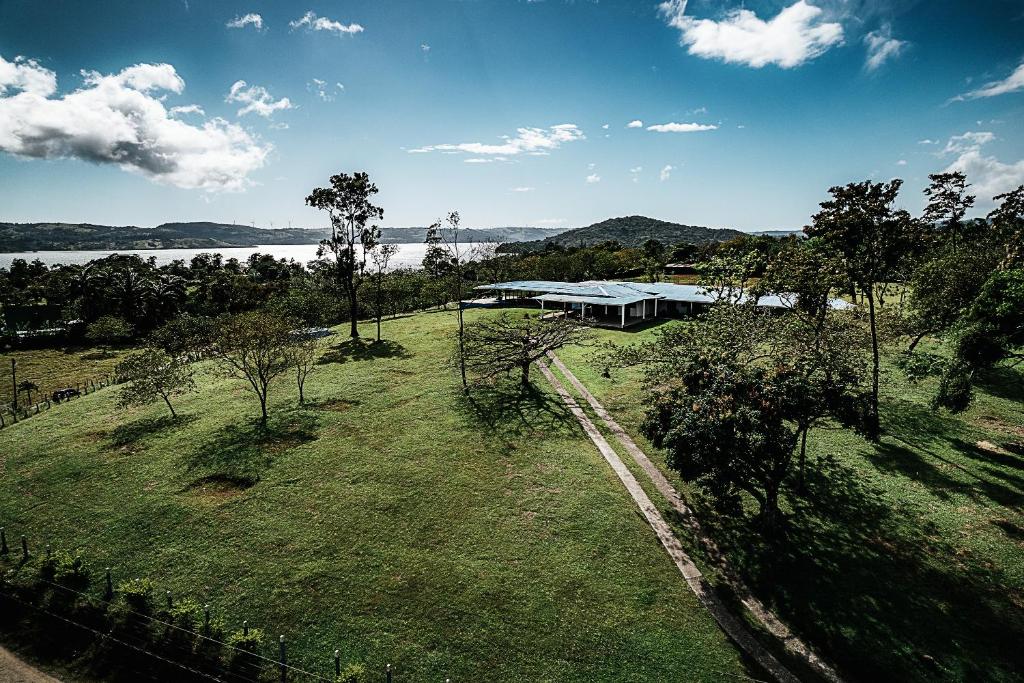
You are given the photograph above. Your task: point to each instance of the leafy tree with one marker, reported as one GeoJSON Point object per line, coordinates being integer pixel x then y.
{"type": "Point", "coordinates": [109, 330]}
{"type": "Point", "coordinates": [506, 344]}
{"type": "Point", "coordinates": [456, 255]}
{"type": "Point", "coordinates": [152, 374]}
{"type": "Point", "coordinates": [727, 276]}
{"type": "Point", "coordinates": [347, 203]}
{"type": "Point", "coordinates": [1008, 222]}
{"type": "Point", "coordinates": [255, 346]}
{"type": "Point", "coordinates": [862, 228]}
{"type": "Point", "coordinates": [380, 255]}
{"type": "Point", "coordinates": [948, 203]}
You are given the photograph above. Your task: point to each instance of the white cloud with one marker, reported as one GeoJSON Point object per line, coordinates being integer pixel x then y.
{"type": "Point", "coordinates": [424, 47]}
{"type": "Point", "coordinates": [635, 123]}
{"type": "Point", "coordinates": [672, 127]}
{"type": "Point", "coordinates": [324, 91]}
{"type": "Point", "coordinates": [1012, 83]}
{"type": "Point", "coordinates": [635, 172]}
{"type": "Point", "coordinates": [666, 172]}
{"type": "Point", "coordinates": [187, 109]}
{"type": "Point", "coordinates": [882, 47]}
{"type": "Point", "coordinates": [795, 35]}
{"type": "Point", "coordinates": [901, 162]}
{"type": "Point", "coordinates": [312, 22]}
{"type": "Point", "coordinates": [988, 176]}
{"type": "Point", "coordinates": [593, 178]}
{"type": "Point", "coordinates": [534, 141]}
{"type": "Point", "coordinates": [117, 119]}
{"type": "Point", "coordinates": [251, 19]}
{"type": "Point", "coordinates": [523, 189]}
{"type": "Point", "coordinates": [605, 126]}
{"type": "Point", "coordinates": [256, 100]}
{"type": "Point", "coordinates": [927, 141]}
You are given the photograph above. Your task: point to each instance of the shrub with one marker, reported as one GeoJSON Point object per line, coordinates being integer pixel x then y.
{"type": "Point", "coordinates": [137, 594]}
{"type": "Point", "coordinates": [352, 673]}
{"type": "Point", "coordinates": [65, 568]}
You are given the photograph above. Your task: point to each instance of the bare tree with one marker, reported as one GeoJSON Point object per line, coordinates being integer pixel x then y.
{"type": "Point", "coordinates": [254, 346]}
{"type": "Point", "coordinates": [380, 255]}
{"type": "Point", "coordinates": [506, 343]}
{"type": "Point", "coordinates": [456, 256]}
{"type": "Point", "coordinates": [302, 355]}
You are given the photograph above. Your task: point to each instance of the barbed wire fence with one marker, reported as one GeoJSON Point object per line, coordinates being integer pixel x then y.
{"type": "Point", "coordinates": [123, 632]}
{"type": "Point", "coordinates": [9, 415]}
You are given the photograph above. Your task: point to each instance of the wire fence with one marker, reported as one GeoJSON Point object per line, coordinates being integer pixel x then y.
{"type": "Point", "coordinates": [127, 633]}
{"type": "Point", "coordinates": [9, 414]}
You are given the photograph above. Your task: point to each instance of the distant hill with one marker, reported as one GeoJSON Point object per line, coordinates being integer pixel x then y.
{"type": "Point", "coordinates": [631, 231]}
{"type": "Point", "coordinates": [20, 237]}
{"type": "Point", "coordinates": [778, 233]}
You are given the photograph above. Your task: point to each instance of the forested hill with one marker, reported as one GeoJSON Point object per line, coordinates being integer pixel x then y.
{"type": "Point", "coordinates": [16, 237]}
{"type": "Point", "coordinates": [631, 231]}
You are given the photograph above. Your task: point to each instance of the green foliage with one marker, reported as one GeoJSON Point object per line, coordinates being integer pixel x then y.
{"type": "Point", "coordinates": [109, 330]}
{"type": "Point", "coordinates": [150, 375]}
{"type": "Point", "coordinates": [353, 672]}
{"type": "Point", "coordinates": [918, 365]}
{"type": "Point", "coordinates": [248, 642]}
{"type": "Point", "coordinates": [137, 594]}
{"type": "Point", "coordinates": [66, 568]}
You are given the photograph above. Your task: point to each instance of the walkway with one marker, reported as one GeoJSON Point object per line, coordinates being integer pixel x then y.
{"type": "Point", "coordinates": [13, 670]}
{"type": "Point", "coordinates": [735, 629]}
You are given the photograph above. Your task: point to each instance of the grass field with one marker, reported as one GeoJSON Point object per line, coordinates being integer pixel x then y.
{"type": "Point", "coordinates": [52, 369]}
{"type": "Point", "coordinates": [390, 518]}
{"type": "Point", "coordinates": [906, 560]}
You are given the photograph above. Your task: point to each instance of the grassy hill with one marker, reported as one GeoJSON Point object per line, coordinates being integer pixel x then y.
{"type": "Point", "coordinates": [16, 237]}
{"type": "Point", "coordinates": [630, 231]}
{"type": "Point", "coordinates": [390, 518]}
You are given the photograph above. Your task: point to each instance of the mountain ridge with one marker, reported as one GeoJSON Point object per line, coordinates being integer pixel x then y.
{"type": "Point", "coordinates": [630, 231]}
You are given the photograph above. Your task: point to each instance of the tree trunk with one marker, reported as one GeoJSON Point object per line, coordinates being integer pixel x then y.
{"type": "Point", "coordinates": [302, 396]}
{"type": "Point", "coordinates": [353, 307]}
{"type": "Point", "coordinates": [174, 415]}
{"type": "Point", "coordinates": [917, 340]}
{"type": "Point", "coordinates": [525, 382]}
{"type": "Point", "coordinates": [803, 455]}
{"type": "Point", "coordinates": [263, 408]}
{"type": "Point", "coordinates": [873, 427]}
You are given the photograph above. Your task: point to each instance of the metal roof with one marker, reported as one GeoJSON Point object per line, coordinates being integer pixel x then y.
{"type": "Point", "coordinates": [613, 293]}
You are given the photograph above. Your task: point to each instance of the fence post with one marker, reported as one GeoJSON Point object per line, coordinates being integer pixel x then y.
{"type": "Point", "coordinates": [387, 673]}
{"type": "Point", "coordinates": [48, 553]}
{"type": "Point", "coordinates": [284, 662]}
{"type": "Point", "coordinates": [110, 586]}
{"type": "Point", "coordinates": [24, 548]}
{"type": "Point", "coordinates": [337, 662]}
{"type": "Point", "coordinates": [3, 542]}
{"type": "Point", "coordinates": [206, 620]}
{"type": "Point", "coordinates": [245, 627]}
{"type": "Point", "coordinates": [170, 601]}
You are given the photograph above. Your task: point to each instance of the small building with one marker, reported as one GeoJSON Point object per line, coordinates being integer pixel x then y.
{"type": "Point", "coordinates": [620, 304]}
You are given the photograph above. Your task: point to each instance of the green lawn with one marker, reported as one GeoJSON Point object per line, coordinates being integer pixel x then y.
{"type": "Point", "coordinates": [391, 518]}
{"type": "Point", "coordinates": [52, 369]}
{"type": "Point", "coordinates": [906, 560]}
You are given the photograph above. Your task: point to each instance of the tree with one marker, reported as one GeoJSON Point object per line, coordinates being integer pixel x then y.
{"type": "Point", "coordinates": [871, 237]}
{"type": "Point", "coordinates": [347, 203]}
{"type": "Point", "coordinates": [27, 386]}
{"type": "Point", "coordinates": [302, 354]}
{"type": "Point", "coordinates": [506, 344]}
{"type": "Point", "coordinates": [381, 255]}
{"type": "Point", "coordinates": [456, 257]}
{"type": "Point", "coordinates": [109, 330]}
{"type": "Point", "coordinates": [948, 203]}
{"type": "Point", "coordinates": [152, 374]}
{"type": "Point", "coordinates": [254, 346]}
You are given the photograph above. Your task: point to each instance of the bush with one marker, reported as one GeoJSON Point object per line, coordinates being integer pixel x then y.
{"type": "Point", "coordinates": [66, 568]}
{"type": "Point", "coordinates": [917, 365]}
{"type": "Point", "coordinates": [137, 594]}
{"type": "Point", "coordinates": [352, 673]}
{"type": "Point", "coordinates": [109, 330]}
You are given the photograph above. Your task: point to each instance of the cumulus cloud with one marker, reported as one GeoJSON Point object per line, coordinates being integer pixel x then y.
{"type": "Point", "coordinates": [635, 123]}
{"type": "Point", "coordinates": [187, 109]}
{"type": "Point", "coordinates": [1012, 83]}
{"type": "Point", "coordinates": [251, 19]}
{"type": "Point", "coordinates": [311, 22]}
{"type": "Point", "coordinates": [119, 119]}
{"type": "Point", "coordinates": [523, 189]}
{"type": "Point", "coordinates": [795, 35]}
{"type": "Point", "coordinates": [988, 175]}
{"type": "Point", "coordinates": [593, 178]}
{"type": "Point", "coordinates": [673, 127]}
{"type": "Point", "coordinates": [666, 172]}
{"type": "Point", "coordinates": [256, 100]}
{"type": "Point", "coordinates": [534, 141]}
{"type": "Point", "coordinates": [323, 90]}
{"type": "Point", "coordinates": [882, 47]}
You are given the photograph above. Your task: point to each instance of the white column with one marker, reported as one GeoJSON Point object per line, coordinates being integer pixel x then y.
{"type": "Point", "coordinates": [643, 312]}
{"type": "Point", "coordinates": [655, 308]}
{"type": "Point", "coordinates": [623, 307]}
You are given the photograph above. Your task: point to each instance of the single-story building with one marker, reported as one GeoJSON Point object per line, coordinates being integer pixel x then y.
{"type": "Point", "coordinates": [621, 304]}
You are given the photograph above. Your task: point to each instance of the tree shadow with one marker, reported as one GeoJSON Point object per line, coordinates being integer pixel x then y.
{"type": "Point", "coordinates": [133, 432]}
{"type": "Point", "coordinates": [509, 410]}
{"type": "Point", "coordinates": [357, 349]}
{"type": "Point", "coordinates": [875, 589]}
{"type": "Point", "coordinates": [242, 452]}
{"type": "Point", "coordinates": [1002, 382]}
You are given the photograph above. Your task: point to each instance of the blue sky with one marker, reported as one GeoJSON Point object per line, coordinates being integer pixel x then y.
{"type": "Point", "coordinates": [513, 112]}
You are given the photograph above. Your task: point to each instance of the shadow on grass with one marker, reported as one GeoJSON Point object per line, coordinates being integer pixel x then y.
{"type": "Point", "coordinates": [875, 588]}
{"type": "Point", "coordinates": [240, 453]}
{"type": "Point", "coordinates": [508, 410]}
{"type": "Point", "coordinates": [133, 432]}
{"type": "Point", "coordinates": [1003, 382]}
{"type": "Point", "coordinates": [358, 349]}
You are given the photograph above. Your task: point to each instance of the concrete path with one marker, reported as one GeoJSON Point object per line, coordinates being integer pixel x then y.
{"type": "Point", "coordinates": [734, 628]}
{"type": "Point", "coordinates": [757, 609]}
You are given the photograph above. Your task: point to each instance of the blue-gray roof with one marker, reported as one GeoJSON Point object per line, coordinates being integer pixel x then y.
{"type": "Point", "coordinates": [612, 293]}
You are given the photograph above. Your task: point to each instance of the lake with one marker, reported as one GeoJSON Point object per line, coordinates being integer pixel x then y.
{"type": "Point", "coordinates": [409, 255]}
